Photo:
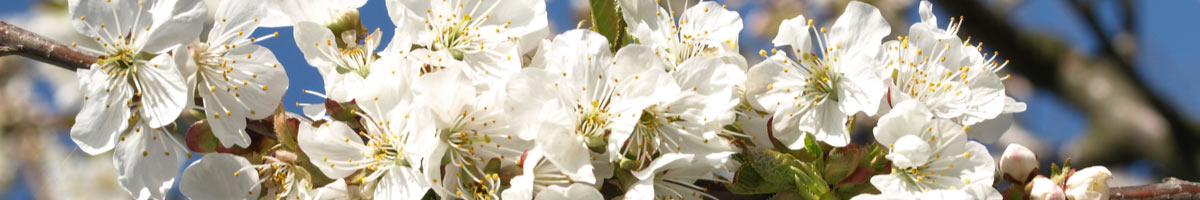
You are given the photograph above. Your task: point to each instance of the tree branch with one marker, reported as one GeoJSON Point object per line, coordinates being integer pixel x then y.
{"type": "Point", "coordinates": [1170, 188]}
{"type": "Point", "coordinates": [17, 41]}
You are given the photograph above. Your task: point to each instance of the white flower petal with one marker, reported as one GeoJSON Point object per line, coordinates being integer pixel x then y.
{"type": "Point", "coordinates": [831, 126]}
{"type": "Point", "coordinates": [926, 11]}
{"type": "Point", "coordinates": [530, 94]}
{"type": "Point", "coordinates": [335, 190]}
{"type": "Point", "coordinates": [574, 191]}
{"type": "Point", "coordinates": [566, 150]}
{"type": "Point", "coordinates": [643, 189]}
{"type": "Point", "coordinates": [246, 92]}
{"type": "Point", "coordinates": [770, 85]}
{"type": "Point", "coordinates": [162, 90]}
{"type": "Point", "coordinates": [147, 161]}
{"type": "Point", "coordinates": [316, 42]}
{"type": "Point", "coordinates": [447, 94]}
{"type": "Point", "coordinates": [235, 20]}
{"type": "Point", "coordinates": [711, 23]}
{"type": "Point", "coordinates": [860, 30]}
{"type": "Point", "coordinates": [291, 12]}
{"type": "Point", "coordinates": [175, 23]}
{"type": "Point", "coordinates": [713, 81]}
{"type": "Point", "coordinates": [908, 117]}
{"type": "Point", "coordinates": [387, 89]}
{"type": "Point", "coordinates": [331, 146]}
{"type": "Point", "coordinates": [104, 115]}
{"type": "Point", "coordinates": [796, 33]}
{"type": "Point", "coordinates": [402, 183]}
{"type": "Point", "coordinates": [89, 16]}
{"type": "Point", "coordinates": [220, 176]}
{"type": "Point", "coordinates": [664, 162]}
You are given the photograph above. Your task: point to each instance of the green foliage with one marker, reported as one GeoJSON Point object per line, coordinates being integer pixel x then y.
{"type": "Point", "coordinates": [607, 20]}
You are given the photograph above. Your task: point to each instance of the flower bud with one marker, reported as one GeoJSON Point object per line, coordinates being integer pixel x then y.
{"type": "Point", "coordinates": [1018, 164]}
{"type": "Point", "coordinates": [1042, 188]}
{"type": "Point", "coordinates": [1089, 183]}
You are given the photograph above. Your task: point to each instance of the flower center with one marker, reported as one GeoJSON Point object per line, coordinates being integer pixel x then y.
{"type": "Point", "coordinates": [120, 57]}
{"type": "Point", "coordinates": [459, 33]}
{"type": "Point", "coordinates": [355, 57]}
{"type": "Point", "coordinates": [822, 84]}
{"type": "Point", "coordinates": [593, 126]}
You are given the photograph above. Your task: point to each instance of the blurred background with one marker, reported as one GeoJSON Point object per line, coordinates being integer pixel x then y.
{"type": "Point", "coordinates": [1107, 82]}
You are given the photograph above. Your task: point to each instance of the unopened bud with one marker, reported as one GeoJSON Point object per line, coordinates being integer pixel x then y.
{"type": "Point", "coordinates": [1042, 188]}
{"type": "Point", "coordinates": [1018, 164]}
{"type": "Point", "coordinates": [1089, 183]}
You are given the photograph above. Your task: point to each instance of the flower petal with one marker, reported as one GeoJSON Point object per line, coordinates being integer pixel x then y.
{"type": "Point", "coordinates": [402, 183]}
{"type": "Point", "coordinates": [162, 90]}
{"type": "Point", "coordinates": [908, 117]}
{"type": "Point", "coordinates": [105, 114]}
{"type": "Point", "coordinates": [332, 147]}
{"type": "Point", "coordinates": [147, 161]}
{"type": "Point", "coordinates": [574, 191]}
{"type": "Point", "coordinates": [795, 32]}
{"type": "Point", "coordinates": [235, 20]}
{"type": "Point", "coordinates": [565, 149]}
{"type": "Point", "coordinates": [316, 42]}
{"type": "Point", "coordinates": [291, 12]}
{"type": "Point", "coordinates": [447, 94]}
{"type": "Point", "coordinates": [175, 23]}
{"type": "Point", "coordinates": [220, 176]}
{"type": "Point", "coordinates": [711, 23]}
{"type": "Point", "coordinates": [860, 29]}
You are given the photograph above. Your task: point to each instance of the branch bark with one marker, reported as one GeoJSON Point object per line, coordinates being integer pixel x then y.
{"type": "Point", "coordinates": [1170, 188]}
{"type": "Point", "coordinates": [17, 41]}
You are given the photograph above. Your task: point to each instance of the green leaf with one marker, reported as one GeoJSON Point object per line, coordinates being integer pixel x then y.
{"type": "Point", "coordinates": [749, 181]}
{"type": "Point", "coordinates": [607, 20]}
{"type": "Point", "coordinates": [813, 147]}
{"type": "Point", "coordinates": [775, 167]}
{"type": "Point", "coordinates": [841, 162]}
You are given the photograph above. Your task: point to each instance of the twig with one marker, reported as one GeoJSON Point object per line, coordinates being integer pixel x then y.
{"type": "Point", "coordinates": [17, 41]}
{"type": "Point", "coordinates": [1170, 188]}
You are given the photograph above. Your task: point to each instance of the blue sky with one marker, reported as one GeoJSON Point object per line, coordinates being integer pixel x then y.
{"type": "Point", "coordinates": [1167, 58]}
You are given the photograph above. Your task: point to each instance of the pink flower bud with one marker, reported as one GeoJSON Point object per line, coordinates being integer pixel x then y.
{"type": "Point", "coordinates": [1018, 164]}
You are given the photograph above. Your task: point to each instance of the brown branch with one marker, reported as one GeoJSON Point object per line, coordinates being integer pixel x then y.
{"type": "Point", "coordinates": [1170, 188]}
{"type": "Point", "coordinates": [17, 41]}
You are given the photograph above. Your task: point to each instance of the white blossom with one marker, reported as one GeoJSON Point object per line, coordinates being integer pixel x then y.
{"type": "Point", "coordinates": [704, 29]}
{"type": "Point", "coordinates": [471, 131]}
{"type": "Point", "coordinates": [390, 160]}
{"type": "Point", "coordinates": [811, 93]}
{"type": "Point", "coordinates": [928, 153]}
{"type": "Point", "coordinates": [134, 65]}
{"type": "Point", "coordinates": [237, 79]}
{"type": "Point", "coordinates": [1088, 183]}
{"type": "Point", "coordinates": [952, 77]}
{"type": "Point", "coordinates": [1042, 188]}
{"type": "Point", "coordinates": [542, 179]}
{"type": "Point", "coordinates": [489, 35]}
{"type": "Point", "coordinates": [578, 96]}
{"type": "Point", "coordinates": [343, 68]}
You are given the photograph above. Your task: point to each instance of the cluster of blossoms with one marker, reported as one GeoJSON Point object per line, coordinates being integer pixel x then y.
{"type": "Point", "coordinates": [471, 100]}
